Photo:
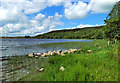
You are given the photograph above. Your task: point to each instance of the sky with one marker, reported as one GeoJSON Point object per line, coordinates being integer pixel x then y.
{"type": "Point", "coordinates": [33, 17]}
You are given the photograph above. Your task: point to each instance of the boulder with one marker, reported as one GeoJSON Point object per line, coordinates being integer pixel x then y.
{"type": "Point", "coordinates": [41, 69]}
{"type": "Point", "coordinates": [38, 54]}
{"type": "Point", "coordinates": [53, 53]}
{"type": "Point", "coordinates": [73, 50]}
{"type": "Point", "coordinates": [89, 51]}
{"type": "Point", "coordinates": [66, 51]}
{"type": "Point", "coordinates": [62, 68]}
{"type": "Point", "coordinates": [99, 47]}
{"type": "Point", "coordinates": [69, 51]}
{"type": "Point", "coordinates": [31, 55]}
{"type": "Point", "coordinates": [44, 54]}
{"type": "Point", "coordinates": [59, 51]}
{"type": "Point", "coordinates": [62, 54]}
{"type": "Point", "coordinates": [49, 52]}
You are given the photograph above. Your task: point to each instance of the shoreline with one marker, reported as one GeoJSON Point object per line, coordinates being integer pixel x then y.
{"type": "Point", "coordinates": [30, 68]}
{"type": "Point", "coordinates": [44, 47]}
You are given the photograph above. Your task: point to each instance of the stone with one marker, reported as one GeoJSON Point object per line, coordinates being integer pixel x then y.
{"type": "Point", "coordinates": [89, 51]}
{"type": "Point", "coordinates": [53, 53]}
{"type": "Point", "coordinates": [66, 51]}
{"type": "Point", "coordinates": [69, 51]}
{"type": "Point", "coordinates": [31, 55]}
{"type": "Point", "coordinates": [44, 54]}
{"type": "Point", "coordinates": [62, 54]}
{"type": "Point", "coordinates": [59, 51]}
{"type": "Point", "coordinates": [99, 47]}
{"type": "Point", "coordinates": [38, 54]}
{"type": "Point", "coordinates": [41, 69]}
{"type": "Point", "coordinates": [62, 68]}
{"type": "Point", "coordinates": [73, 50]}
{"type": "Point", "coordinates": [49, 52]}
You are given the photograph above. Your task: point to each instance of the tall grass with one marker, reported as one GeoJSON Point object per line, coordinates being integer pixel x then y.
{"type": "Point", "coordinates": [100, 65]}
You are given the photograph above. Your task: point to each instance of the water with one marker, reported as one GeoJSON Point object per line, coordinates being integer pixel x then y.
{"type": "Point", "coordinates": [11, 47]}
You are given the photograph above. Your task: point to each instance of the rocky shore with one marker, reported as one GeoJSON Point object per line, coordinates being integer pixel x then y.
{"type": "Point", "coordinates": [58, 52]}
{"type": "Point", "coordinates": [51, 53]}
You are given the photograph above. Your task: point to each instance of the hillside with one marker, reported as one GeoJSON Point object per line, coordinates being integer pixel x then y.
{"type": "Point", "coordinates": [78, 33]}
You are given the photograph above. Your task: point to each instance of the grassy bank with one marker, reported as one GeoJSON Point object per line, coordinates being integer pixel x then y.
{"type": "Point", "coordinates": [100, 65]}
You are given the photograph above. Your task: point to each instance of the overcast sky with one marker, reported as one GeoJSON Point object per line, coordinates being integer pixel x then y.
{"type": "Point", "coordinates": [33, 17]}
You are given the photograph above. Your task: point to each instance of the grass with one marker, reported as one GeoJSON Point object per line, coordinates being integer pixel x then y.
{"type": "Point", "coordinates": [100, 65]}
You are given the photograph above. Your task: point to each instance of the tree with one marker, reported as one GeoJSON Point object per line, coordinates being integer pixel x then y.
{"type": "Point", "coordinates": [113, 22]}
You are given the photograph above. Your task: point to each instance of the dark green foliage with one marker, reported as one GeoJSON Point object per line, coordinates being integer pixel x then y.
{"type": "Point", "coordinates": [81, 33]}
{"type": "Point", "coordinates": [113, 22]}
{"type": "Point", "coordinates": [27, 37]}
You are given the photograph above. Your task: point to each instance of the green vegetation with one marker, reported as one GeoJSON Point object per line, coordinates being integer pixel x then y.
{"type": "Point", "coordinates": [100, 65]}
{"type": "Point", "coordinates": [113, 22]}
{"type": "Point", "coordinates": [80, 33]}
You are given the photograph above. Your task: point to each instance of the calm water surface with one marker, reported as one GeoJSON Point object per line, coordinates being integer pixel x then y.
{"type": "Point", "coordinates": [11, 47]}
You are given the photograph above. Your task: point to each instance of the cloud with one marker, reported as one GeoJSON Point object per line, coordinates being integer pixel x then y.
{"type": "Point", "coordinates": [83, 26]}
{"type": "Point", "coordinates": [101, 6]}
{"type": "Point", "coordinates": [32, 27]}
{"type": "Point", "coordinates": [39, 17]}
{"type": "Point", "coordinates": [76, 10]}
{"type": "Point", "coordinates": [30, 7]}
{"type": "Point", "coordinates": [9, 12]}
{"type": "Point", "coordinates": [55, 2]}
{"type": "Point", "coordinates": [80, 10]}
{"type": "Point", "coordinates": [40, 26]}
{"type": "Point", "coordinates": [14, 19]}
{"type": "Point", "coordinates": [34, 6]}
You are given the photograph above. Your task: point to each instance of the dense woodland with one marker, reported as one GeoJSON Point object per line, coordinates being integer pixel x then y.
{"type": "Point", "coordinates": [111, 29]}
{"type": "Point", "coordinates": [80, 33]}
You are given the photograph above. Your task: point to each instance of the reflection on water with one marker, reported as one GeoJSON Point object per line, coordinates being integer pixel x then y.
{"type": "Point", "coordinates": [24, 46]}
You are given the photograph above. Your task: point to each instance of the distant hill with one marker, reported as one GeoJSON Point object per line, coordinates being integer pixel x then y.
{"type": "Point", "coordinates": [78, 33]}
